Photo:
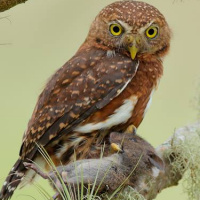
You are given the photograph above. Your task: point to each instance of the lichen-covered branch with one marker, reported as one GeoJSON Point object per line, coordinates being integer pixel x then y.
{"type": "Point", "coordinates": [181, 157]}
{"type": "Point", "coordinates": [7, 4]}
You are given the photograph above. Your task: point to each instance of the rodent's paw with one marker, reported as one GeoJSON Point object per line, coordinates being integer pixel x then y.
{"type": "Point", "coordinates": [64, 176]}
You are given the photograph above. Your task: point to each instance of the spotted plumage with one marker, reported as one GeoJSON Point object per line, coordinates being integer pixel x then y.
{"type": "Point", "coordinates": [106, 86]}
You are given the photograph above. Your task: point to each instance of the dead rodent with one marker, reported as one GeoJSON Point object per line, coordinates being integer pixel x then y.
{"type": "Point", "coordinates": [132, 157]}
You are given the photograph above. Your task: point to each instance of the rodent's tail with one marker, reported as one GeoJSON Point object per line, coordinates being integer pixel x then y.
{"type": "Point", "coordinates": [13, 179]}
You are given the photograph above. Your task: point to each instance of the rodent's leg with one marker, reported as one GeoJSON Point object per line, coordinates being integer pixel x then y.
{"type": "Point", "coordinates": [87, 182]}
{"type": "Point", "coordinates": [36, 169]}
{"type": "Point", "coordinates": [55, 196]}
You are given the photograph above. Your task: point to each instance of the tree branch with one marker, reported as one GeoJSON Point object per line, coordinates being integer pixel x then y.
{"type": "Point", "coordinates": [7, 4]}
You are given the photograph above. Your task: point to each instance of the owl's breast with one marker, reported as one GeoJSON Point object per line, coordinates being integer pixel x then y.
{"type": "Point", "coordinates": [113, 116]}
{"type": "Point", "coordinates": [130, 106]}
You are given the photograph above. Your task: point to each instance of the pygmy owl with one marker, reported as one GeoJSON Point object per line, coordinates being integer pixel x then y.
{"type": "Point", "coordinates": [106, 86]}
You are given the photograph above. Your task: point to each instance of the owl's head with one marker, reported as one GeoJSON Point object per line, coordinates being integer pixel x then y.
{"type": "Point", "coordinates": [131, 27]}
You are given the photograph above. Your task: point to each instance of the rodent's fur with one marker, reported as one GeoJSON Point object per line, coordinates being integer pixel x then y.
{"type": "Point", "coordinates": [136, 157]}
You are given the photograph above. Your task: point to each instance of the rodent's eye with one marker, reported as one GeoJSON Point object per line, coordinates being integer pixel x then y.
{"type": "Point", "coordinates": [116, 29]}
{"type": "Point", "coordinates": [152, 32]}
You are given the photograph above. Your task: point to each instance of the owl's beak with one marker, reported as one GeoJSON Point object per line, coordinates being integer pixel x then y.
{"type": "Point", "coordinates": [132, 43]}
{"type": "Point", "coordinates": [133, 51]}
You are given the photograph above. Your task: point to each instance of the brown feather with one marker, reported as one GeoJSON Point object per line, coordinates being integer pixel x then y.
{"type": "Point", "coordinates": [91, 87]}
{"type": "Point", "coordinates": [95, 92]}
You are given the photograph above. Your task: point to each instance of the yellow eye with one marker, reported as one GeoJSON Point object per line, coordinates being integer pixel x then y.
{"type": "Point", "coordinates": [116, 29]}
{"type": "Point", "coordinates": [152, 32]}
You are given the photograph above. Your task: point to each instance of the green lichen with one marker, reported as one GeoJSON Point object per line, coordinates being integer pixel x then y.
{"type": "Point", "coordinates": [130, 193]}
{"type": "Point", "coordinates": [185, 160]}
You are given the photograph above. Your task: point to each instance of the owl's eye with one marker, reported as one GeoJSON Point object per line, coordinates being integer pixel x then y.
{"type": "Point", "coordinates": [152, 32]}
{"type": "Point", "coordinates": [116, 29]}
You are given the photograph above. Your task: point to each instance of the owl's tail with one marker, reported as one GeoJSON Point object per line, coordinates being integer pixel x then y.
{"type": "Point", "coordinates": [13, 179]}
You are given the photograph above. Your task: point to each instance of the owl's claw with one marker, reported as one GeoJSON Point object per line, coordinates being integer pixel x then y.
{"type": "Point", "coordinates": [115, 147]}
{"type": "Point", "coordinates": [131, 129]}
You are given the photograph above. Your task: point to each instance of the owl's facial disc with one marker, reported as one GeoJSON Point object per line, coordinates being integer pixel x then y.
{"type": "Point", "coordinates": [129, 41]}
{"type": "Point", "coordinates": [142, 40]}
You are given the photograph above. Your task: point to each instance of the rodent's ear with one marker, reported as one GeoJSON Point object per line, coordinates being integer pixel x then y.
{"type": "Point", "coordinates": [116, 137]}
{"type": "Point", "coordinates": [156, 161]}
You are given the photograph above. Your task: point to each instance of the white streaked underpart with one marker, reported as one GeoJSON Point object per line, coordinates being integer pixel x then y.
{"type": "Point", "coordinates": [149, 102]}
{"type": "Point", "coordinates": [120, 116]}
{"type": "Point", "coordinates": [64, 148]}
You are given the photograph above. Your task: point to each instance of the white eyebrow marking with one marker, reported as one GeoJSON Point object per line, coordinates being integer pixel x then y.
{"type": "Point", "coordinates": [146, 26]}
{"type": "Point", "coordinates": [151, 23]}
{"type": "Point", "coordinates": [126, 26]}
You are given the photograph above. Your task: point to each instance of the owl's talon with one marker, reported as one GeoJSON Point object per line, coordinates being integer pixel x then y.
{"type": "Point", "coordinates": [131, 129]}
{"type": "Point", "coordinates": [116, 148]}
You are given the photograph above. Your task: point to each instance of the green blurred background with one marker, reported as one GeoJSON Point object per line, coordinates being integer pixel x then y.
{"type": "Point", "coordinates": [45, 34]}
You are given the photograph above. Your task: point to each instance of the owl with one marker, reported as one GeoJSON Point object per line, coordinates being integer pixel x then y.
{"type": "Point", "coordinates": [106, 86]}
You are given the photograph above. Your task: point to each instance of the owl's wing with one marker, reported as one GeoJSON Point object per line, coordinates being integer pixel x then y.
{"type": "Point", "coordinates": [85, 84]}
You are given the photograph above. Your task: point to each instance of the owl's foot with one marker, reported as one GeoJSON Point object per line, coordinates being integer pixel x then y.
{"type": "Point", "coordinates": [131, 129]}
{"type": "Point", "coordinates": [36, 169]}
{"type": "Point", "coordinates": [116, 148]}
